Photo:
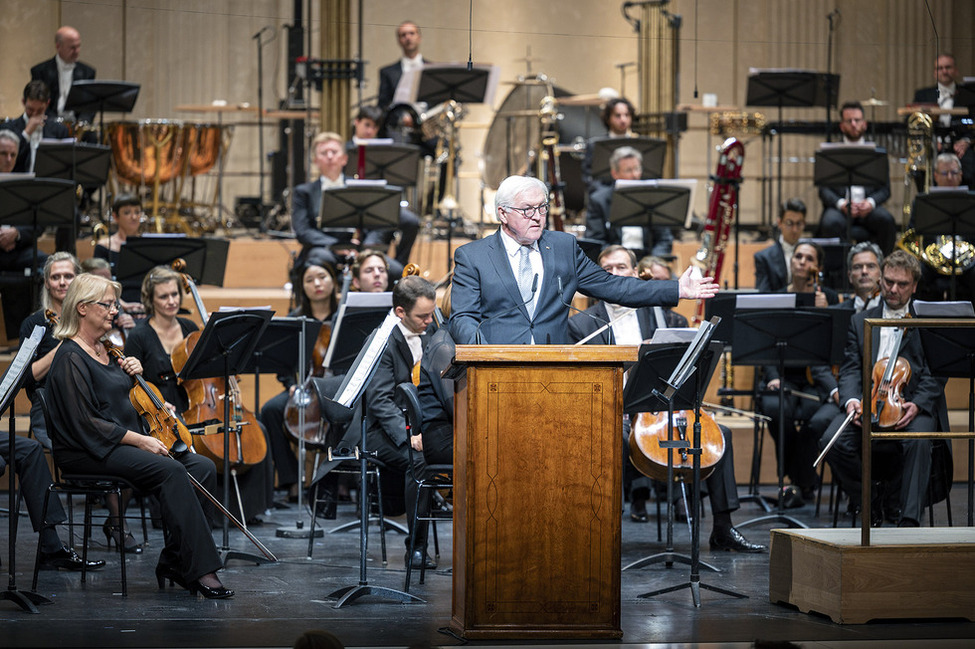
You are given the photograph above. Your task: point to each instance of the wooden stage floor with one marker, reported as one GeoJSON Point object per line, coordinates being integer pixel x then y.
{"type": "Point", "coordinates": [275, 603]}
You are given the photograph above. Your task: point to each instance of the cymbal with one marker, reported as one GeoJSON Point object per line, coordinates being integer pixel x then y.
{"type": "Point", "coordinates": [931, 109]}
{"type": "Point", "coordinates": [581, 100]}
{"type": "Point", "coordinates": [526, 82]}
{"type": "Point", "coordinates": [217, 108]}
{"type": "Point", "coordinates": [873, 101]}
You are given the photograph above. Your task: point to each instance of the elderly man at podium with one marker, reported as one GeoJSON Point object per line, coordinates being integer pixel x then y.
{"type": "Point", "coordinates": [514, 287]}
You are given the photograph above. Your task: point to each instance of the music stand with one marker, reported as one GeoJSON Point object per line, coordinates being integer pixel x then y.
{"type": "Point", "coordinates": [283, 348]}
{"type": "Point", "coordinates": [653, 149]}
{"type": "Point", "coordinates": [644, 393]}
{"type": "Point", "coordinates": [38, 203]}
{"type": "Point", "coordinates": [360, 207]}
{"type": "Point", "coordinates": [648, 205]}
{"type": "Point", "coordinates": [851, 165]}
{"type": "Point", "coordinates": [357, 317]}
{"type": "Point", "coordinates": [781, 337]}
{"type": "Point", "coordinates": [791, 89]}
{"type": "Point", "coordinates": [397, 164]}
{"type": "Point", "coordinates": [13, 378]}
{"type": "Point", "coordinates": [84, 164]}
{"type": "Point", "coordinates": [90, 96]}
{"type": "Point", "coordinates": [699, 359]}
{"type": "Point", "coordinates": [951, 353]}
{"type": "Point", "coordinates": [946, 212]}
{"type": "Point", "coordinates": [340, 409]}
{"type": "Point", "coordinates": [436, 84]}
{"type": "Point", "coordinates": [227, 342]}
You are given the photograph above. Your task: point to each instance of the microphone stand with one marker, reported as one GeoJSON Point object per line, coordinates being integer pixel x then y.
{"type": "Point", "coordinates": [260, 120]}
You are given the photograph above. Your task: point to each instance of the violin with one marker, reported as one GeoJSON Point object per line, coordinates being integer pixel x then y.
{"type": "Point", "coordinates": [149, 403]}
{"type": "Point", "coordinates": [647, 430]}
{"type": "Point", "coordinates": [890, 375]}
{"type": "Point", "coordinates": [248, 445]}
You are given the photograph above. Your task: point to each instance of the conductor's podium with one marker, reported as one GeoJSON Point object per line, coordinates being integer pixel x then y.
{"type": "Point", "coordinates": [905, 573]}
{"type": "Point", "coordinates": [537, 462]}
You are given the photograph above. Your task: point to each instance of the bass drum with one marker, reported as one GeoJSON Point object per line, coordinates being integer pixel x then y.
{"type": "Point", "coordinates": [146, 151]}
{"type": "Point", "coordinates": [514, 135]}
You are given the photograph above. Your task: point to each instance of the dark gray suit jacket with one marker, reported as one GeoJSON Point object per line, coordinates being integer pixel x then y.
{"type": "Point", "coordinates": [486, 293]}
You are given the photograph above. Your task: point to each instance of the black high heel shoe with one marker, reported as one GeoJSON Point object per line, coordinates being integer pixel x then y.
{"type": "Point", "coordinates": [164, 573]}
{"type": "Point", "coordinates": [121, 537]}
{"type": "Point", "coordinates": [218, 592]}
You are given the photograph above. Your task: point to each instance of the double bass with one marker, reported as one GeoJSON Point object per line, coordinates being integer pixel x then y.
{"type": "Point", "coordinates": [248, 445]}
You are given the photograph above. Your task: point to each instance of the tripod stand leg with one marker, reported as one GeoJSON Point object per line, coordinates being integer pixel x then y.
{"type": "Point", "coordinates": [25, 599]}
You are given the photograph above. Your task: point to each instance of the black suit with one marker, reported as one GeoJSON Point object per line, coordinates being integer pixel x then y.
{"type": "Point", "coordinates": [721, 486]}
{"type": "Point", "coordinates": [658, 240]}
{"type": "Point", "coordinates": [947, 136]}
{"type": "Point", "coordinates": [47, 72]}
{"type": "Point", "coordinates": [923, 389]}
{"type": "Point", "coordinates": [51, 129]}
{"type": "Point", "coordinates": [878, 226]}
{"type": "Point", "coordinates": [771, 273]}
{"type": "Point", "coordinates": [386, 426]}
{"type": "Point", "coordinates": [305, 208]}
{"type": "Point", "coordinates": [389, 77]}
{"type": "Point", "coordinates": [437, 399]}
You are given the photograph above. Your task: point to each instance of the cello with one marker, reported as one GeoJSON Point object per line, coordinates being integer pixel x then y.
{"type": "Point", "coordinates": [650, 459]}
{"type": "Point", "coordinates": [248, 445]}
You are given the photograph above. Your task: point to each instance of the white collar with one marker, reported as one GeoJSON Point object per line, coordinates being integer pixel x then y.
{"type": "Point", "coordinates": [511, 247]}
{"type": "Point", "coordinates": [62, 64]}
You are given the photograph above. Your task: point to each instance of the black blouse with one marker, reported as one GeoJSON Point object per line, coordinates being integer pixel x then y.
{"type": "Point", "coordinates": [48, 342]}
{"type": "Point", "coordinates": [89, 403]}
{"type": "Point", "coordinates": [157, 367]}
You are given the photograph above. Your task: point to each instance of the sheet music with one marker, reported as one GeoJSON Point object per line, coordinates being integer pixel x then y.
{"type": "Point", "coordinates": [355, 382]}
{"type": "Point", "coordinates": [24, 356]}
{"type": "Point", "coordinates": [766, 301]}
{"type": "Point", "coordinates": [665, 335]}
{"type": "Point", "coordinates": [376, 141]}
{"type": "Point", "coordinates": [958, 309]}
{"type": "Point", "coordinates": [362, 182]}
{"type": "Point", "coordinates": [355, 299]}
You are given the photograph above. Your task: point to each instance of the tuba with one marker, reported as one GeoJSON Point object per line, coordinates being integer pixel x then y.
{"type": "Point", "coordinates": [940, 253]}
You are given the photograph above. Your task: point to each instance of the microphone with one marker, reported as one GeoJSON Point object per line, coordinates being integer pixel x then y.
{"type": "Point", "coordinates": [835, 13]}
{"type": "Point", "coordinates": [263, 29]}
{"type": "Point", "coordinates": [598, 320]}
{"type": "Point", "coordinates": [477, 332]}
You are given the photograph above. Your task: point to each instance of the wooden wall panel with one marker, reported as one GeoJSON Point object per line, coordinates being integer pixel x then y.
{"type": "Point", "coordinates": [196, 51]}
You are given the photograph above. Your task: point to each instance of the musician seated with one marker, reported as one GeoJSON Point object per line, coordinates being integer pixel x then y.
{"type": "Point", "coordinates": [16, 251]}
{"type": "Point", "coordinates": [952, 133]}
{"type": "Point", "coordinates": [922, 401]}
{"type": "Point", "coordinates": [318, 299]}
{"type": "Point", "coordinates": [34, 125]}
{"type": "Point", "coordinates": [331, 158]}
{"type": "Point", "coordinates": [366, 125]}
{"type": "Point", "coordinates": [934, 285]}
{"type": "Point", "coordinates": [414, 301]}
{"type": "Point", "coordinates": [97, 430]}
{"type": "Point", "coordinates": [806, 387]}
{"type": "Point", "coordinates": [861, 215]}
{"type": "Point", "coordinates": [632, 327]}
{"type": "Point", "coordinates": [154, 341]}
{"type": "Point", "coordinates": [617, 117]}
{"type": "Point", "coordinates": [128, 217]}
{"type": "Point", "coordinates": [124, 321]}
{"type": "Point", "coordinates": [626, 163]}
{"type": "Point", "coordinates": [370, 274]}
{"type": "Point", "coordinates": [773, 270]}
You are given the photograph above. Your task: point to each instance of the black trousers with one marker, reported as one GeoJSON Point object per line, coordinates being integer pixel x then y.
{"type": "Point", "coordinates": [801, 447]}
{"type": "Point", "coordinates": [35, 478]}
{"type": "Point", "coordinates": [189, 546]}
{"type": "Point", "coordinates": [914, 456]}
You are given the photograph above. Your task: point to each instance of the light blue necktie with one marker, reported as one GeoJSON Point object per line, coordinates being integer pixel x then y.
{"type": "Point", "coordinates": [525, 280]}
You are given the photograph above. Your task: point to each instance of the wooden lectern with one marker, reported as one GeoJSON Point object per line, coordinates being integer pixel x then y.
{"type": "Point", "coordinates": [537, 491]}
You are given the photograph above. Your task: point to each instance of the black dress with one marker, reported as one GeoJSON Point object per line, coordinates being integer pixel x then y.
{"type": "Point", "coordinates": [90, 413]}
{"type": "Point", "coordinates": [48, 342]}
{"type": "Point", "coordinates": [256, 483]}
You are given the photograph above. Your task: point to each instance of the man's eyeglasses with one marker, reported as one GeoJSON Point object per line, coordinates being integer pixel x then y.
{"type": "Point", "coordinates": [530, 211]}
{"type": "Point", "coordinates": [109, 305]}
